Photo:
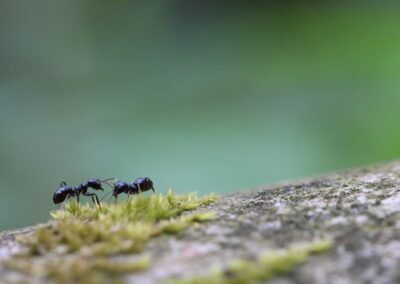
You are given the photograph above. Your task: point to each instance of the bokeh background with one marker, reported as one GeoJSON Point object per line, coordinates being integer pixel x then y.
{"type": "Point", "coordinates": [206, 96]}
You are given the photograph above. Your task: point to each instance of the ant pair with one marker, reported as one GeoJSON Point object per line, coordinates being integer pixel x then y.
{"type": "Point", "coordinates": [64, 192]}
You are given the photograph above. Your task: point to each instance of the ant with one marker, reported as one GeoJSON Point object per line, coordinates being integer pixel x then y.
{"type": "Point", "coordinates": [137, 186]}
{"type": "Point", "coordinates": [65, 191]}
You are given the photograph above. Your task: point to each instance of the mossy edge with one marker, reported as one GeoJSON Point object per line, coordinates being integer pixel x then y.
{"type": "Point", "coordinates": [84, 244]}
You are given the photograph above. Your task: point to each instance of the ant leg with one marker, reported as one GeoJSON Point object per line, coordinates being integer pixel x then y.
{"type": "Point", "coordinates": [140, 191]}
{"type": "Point", "coordinates": [129, 197]}
{"type": "Point", "coordinates": [77, 202]}
{"type": "Point", "coordinates": [98, 202]}
{"type": "Point", "coordinates": [154, 191]}
{"type": "Point", "coordinates": [93, 196]}
{"type": "Point", "coordinates": [63, 183]}
{"type": "Point", "coordinates": [63, 204]}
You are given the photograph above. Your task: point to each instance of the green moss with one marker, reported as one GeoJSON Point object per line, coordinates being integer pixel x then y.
{"type": "Point", "coordinates": [269, 265]}
{"type": "Point", "coordinates": [75, 269]}
{"type": "Point", "coordinates": [118, 228]}
{"type": "Point", "coordinates": [84, 244]}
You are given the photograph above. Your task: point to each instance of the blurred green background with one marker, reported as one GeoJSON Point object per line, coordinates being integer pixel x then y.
{"type": "Point", "coordinates": [206, 96]}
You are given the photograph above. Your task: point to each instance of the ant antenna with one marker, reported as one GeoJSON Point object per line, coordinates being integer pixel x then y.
{"type": "Point", "coordinates": [106, 181]}
{"type": "Point", "coordinates": [105, 196]}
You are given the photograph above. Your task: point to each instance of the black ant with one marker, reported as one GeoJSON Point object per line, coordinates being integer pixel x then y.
{"type": "Point", "coordinates": [143, 184]}
{"type": "Point", "coordinates": [137, 186]}
{"type": "Point", "coordinates": [65, 191]}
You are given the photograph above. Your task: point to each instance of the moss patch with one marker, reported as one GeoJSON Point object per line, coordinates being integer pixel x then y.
{"type": "Point", "coordinates": [269, 265]}
{"type": "Point", "coordinates": [84, 244]}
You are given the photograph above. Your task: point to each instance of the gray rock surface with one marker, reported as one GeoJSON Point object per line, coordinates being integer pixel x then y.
{"type": "Point", "coordinates": [359, 210]}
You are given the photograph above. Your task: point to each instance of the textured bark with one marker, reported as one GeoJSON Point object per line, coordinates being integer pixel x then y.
{"type": "Point", "coordinates": [359, 210]}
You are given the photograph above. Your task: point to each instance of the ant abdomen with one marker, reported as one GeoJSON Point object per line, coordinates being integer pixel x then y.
{"type": "Point", "coordinates": [63, 193]}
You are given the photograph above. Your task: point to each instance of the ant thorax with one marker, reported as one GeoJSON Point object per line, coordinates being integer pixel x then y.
{"type": "Point", "coordinates": [81, 188]}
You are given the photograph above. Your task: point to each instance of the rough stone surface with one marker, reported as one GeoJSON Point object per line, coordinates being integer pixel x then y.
{"type": "Point", "coordinates": [359, 210]}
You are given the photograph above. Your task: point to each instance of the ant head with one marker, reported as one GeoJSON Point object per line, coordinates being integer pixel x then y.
{"type": "Point", "coordinates": [95, 184]}
{"type": "Point", "coordinates": [148, 182]}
